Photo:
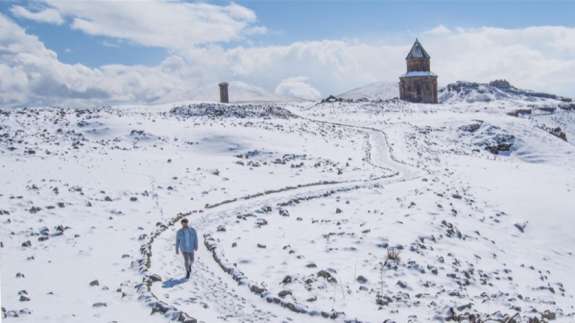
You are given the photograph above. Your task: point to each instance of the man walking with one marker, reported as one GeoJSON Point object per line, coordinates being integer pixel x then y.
{"type": "Point", "coordinates": [187, 242]}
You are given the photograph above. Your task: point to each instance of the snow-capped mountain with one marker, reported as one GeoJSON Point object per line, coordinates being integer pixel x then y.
{"type": "Point", "coordinates": [470, 92]}
{"type": "Point", "coordinates": [377, 91]}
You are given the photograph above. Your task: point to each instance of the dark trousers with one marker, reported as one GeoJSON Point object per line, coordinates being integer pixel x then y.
{"type": "Point", "coordinates": [188, 259]}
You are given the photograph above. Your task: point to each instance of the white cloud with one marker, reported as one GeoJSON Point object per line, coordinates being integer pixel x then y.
{"type": "Point", "coordinates": [332, 66]}
{"type": "Point", "coordinates": [166, 24]}
{"type": "Point", "coordinates": [297, 87]}
{"type": "Point", "coordinates": [539, 58]}
{"type": "Point", "coordinates": [32, 74]}
{"type": "Point", "coordinates": [48, 15]}
{"type": "Point", "coordinates": [439, 30]}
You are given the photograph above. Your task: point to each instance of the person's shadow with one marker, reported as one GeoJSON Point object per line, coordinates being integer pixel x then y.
{"type": "Point", "coordinates": [173, 282]}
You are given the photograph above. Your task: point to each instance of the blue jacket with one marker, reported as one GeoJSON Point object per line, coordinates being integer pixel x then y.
{"type": "Point", "coordinates": [186, 240]}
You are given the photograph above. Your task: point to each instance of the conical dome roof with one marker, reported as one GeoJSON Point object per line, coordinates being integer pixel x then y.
{"type": "Point", "coordinates": [417, 51]}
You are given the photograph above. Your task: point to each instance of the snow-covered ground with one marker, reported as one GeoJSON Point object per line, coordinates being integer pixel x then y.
{"type": "Point", "coordinates": [369, 210]}
{"type": "Point", "coordinates": [377, 91]}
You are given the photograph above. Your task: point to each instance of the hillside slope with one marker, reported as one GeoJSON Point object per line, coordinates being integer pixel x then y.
{"type": "Point", "coordinates": [498, 90]}
{"type": "Point", "coordinates": [359, 211]}
{"type": "Point", "coordinates": [377, 91]}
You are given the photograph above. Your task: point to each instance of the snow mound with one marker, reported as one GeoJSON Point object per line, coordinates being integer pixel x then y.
{"type": "Point", "coordinates": [141, 135]}
{"type": "Point", "coordinates": [93, 127]}
{"type": "Point", "coordinates": [471, 92]}
{"type": "Point", "coordinates": [522, 140]}
{"type": "Point", "coordinates": [487, 136]}
{"type": "Point", "coordinates": [377, 91]}
{"type": "Point", "coordinates": [219, 110]}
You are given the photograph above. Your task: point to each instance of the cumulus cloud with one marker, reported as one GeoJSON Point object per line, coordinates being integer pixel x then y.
{"type": "Point", "coordinates": [539, 58]}
{"type": "Point", "coordinates": [297, 87]}
{"type": "Point", "coordinates": [32, 74]}
{"type": "Point", "coordinates": [331, 66]}
{"type": "Point", "coordinates": [166, 24]}
{"type": "Point", "coordinates": [50, 16]}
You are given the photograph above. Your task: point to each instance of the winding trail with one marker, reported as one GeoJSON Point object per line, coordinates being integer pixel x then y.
{"type": "Point", "coordinates": [212, 294]}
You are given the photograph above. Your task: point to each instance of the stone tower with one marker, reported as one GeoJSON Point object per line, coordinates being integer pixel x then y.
{"type": "Point", "coordinates": [224, 92]}
{"type": "Point", "coordinates": [419, 84]}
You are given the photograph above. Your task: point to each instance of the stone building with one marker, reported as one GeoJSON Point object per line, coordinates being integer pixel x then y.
{"type": "Point", "coordinates": [418, 84]}
{"type": "Point", "coordinates": [224, 98]}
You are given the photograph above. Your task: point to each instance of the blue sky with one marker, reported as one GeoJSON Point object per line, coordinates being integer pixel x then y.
{"type": "Point", "coordinates": [303, 20]}
{"type": "Point", "coordinates": [291, 21]}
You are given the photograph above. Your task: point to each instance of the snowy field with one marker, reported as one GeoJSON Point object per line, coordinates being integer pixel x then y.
{"type": "Point", "coordinates": [361, 208]}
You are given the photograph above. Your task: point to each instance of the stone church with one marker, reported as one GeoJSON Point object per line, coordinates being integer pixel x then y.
{"type": "Point", "coordinates": [419, 84]}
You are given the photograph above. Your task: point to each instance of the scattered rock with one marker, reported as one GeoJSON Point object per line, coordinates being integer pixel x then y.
{"type": "Point", "coordinates": [521, 226]}
{"type": "Point", "coordinates": [311, 265]}
{"type": "Point", "coordinates": [287, 280]}
{"type": "Point", "coordinates": [326, 275]}
{"type": "Point", "coordinates": [548, 315]}
{"type": "Point", "coordinates": [155, 278]}
{"type": "Point", "coordinates": [401, 284]}
{"type": "Point", "coordinates": [283, 212]}
{"type": "Point", "coordinates": [261, 222]}
{"type": "Point", "coordinates": [471, 127]}
{"type": "Point", "coordinates": [256, 289]}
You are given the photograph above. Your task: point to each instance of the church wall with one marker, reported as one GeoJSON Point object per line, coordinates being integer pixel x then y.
{"type": "Point", "coordinates": [418, 64]}
{"type": "Point", "coordinates": [418, 89]}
